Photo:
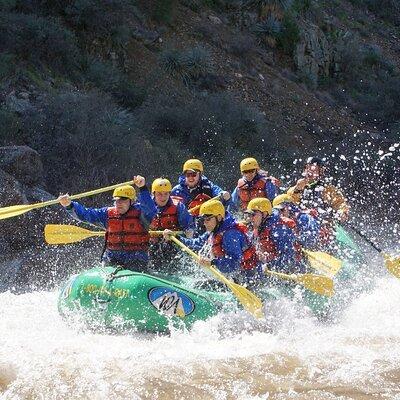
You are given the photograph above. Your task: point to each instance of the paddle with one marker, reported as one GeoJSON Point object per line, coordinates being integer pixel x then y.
{"type": "Point", "coordinates": [64, 234]}
{"type": "Point", "coordinates": [323, 262]}
{"type": "Point", "coordinates": [315, 283]}
{"type": "Point", "coordinates": [194, 209]}
{"type": "Point", "coordinates": [248, 299]}
{"type": "Point", "coordinates": [13, 211]}
{"type": "Point", "coordinates": [392, 264]}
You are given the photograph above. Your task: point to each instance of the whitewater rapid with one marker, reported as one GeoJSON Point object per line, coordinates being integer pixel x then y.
{"type": "Point", "coordinates": [227, 357]}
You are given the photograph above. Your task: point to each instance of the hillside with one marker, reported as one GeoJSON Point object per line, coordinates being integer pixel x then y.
{"type": "Point", "coordinates": [104, 90]}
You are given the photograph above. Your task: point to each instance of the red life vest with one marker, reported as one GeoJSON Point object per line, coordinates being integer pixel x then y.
{"type": "Point", "coordinates": [166, 219]}
{"type": "Point", "coordinates": [266, 248]}
{"type": "Point", "coordinates": [198, 200]}
{"type": "Point", "coordinates": [247, 193]}
{"type": "Point", "coordinates": [249, 257]}
{"type": "Point", "coordinates": [126, 232]}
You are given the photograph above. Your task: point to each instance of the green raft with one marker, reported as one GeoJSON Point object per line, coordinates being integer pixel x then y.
{"type": "Point", "coordinates": [124, 300]}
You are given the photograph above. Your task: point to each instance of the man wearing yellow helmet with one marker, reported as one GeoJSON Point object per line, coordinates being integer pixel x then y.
{"type": "Point", "coordinates": [194, 188]}
{"type": "Point", "coordinates": [230, 249]}
{"type": "Point", "coordinates": [274, 240]}
{"type": "Point", "coordinates": [171, 214]}
{"type": "Point", "coordinates": [254, 183]}
{"type": "Point", "coordinates": [127, 223]}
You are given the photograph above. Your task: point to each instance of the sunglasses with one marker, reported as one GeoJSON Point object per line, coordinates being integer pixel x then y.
{"type": "Point", "coordinates": [190, 174]}
{"type": "Point", "coordinates": [208, 217]}
{"type": "Point", "coordinates": [249, 171]}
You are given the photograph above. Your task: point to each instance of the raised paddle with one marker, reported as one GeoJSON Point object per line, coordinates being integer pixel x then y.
{"type": "Point", "coordinates": [248, 299]}
{"type": "Point", "coordinates": [13, 211]}
{"type": "Point", "coordinates": [315, 283]}
{"type": "Point", "coordinates": [194, 209]}
{"type": "Point", "coordinates": [323, 262]}
{"type": "Point", "coordinates": [392, 263]}
{"type": "Point", "coordinates": [64, 234]}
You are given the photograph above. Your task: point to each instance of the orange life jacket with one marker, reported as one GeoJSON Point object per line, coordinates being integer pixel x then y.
{"type": "Point", "coordinates": [247, 193]}
{"type": "Point", "coordinates": [166, 219]}
{"type": "Point", "coordinates": [249, 258]}
{"type": "Point", "coordinates": [126, 232]}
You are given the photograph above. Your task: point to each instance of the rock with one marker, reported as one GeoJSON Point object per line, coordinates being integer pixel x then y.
{"type": "Point", "coordinates": [313, 54]}
{"type": "Point", "coordinates": [23, 163]}
{"type": "Point", "coordinates": [18, 105]}
{"type": "Point", "coordinates": [215, 20]}
{"type": "Point", "coordinates": [11, 191]}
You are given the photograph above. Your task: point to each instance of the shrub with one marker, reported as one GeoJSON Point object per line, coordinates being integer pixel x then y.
{"type": "Point", "coordinates": [39, 41]}
{"type": "Point", "coordinates": [110, 79]}
{"type": "Point", "coordinates": [289, 35]}
{"type": "Point", "coordinates": [270, 27]}
{"type": "Point", "coordinates": [187, 64]}
{"type": "Point", "coordinates": [9, 127]}
{"type": "Point", "coordinates": [214, 124]}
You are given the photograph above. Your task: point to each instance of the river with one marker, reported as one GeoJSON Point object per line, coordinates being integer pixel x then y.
{"type": "Point", "coordinates": [291, 356]}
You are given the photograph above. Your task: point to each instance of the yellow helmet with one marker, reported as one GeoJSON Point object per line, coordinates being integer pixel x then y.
{"type": "Point", "coordinates": [193, 164]}
{"type": "Point", "coordinates": [125, 192]}
{"type": "Point", "coordinates": [249, 163]}
{"type": "Point", "coordinates": [161, 185]}
{"type": "Point", "coordinates": [282, 198]}
{"type": "Point", "coordinates": [212, 207]}
{"type": "Point", "coordinates": [260, 204]}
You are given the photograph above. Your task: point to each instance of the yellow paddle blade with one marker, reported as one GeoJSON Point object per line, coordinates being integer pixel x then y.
{"type": "Point", "coordinates": [322, 285]}
{"type": "Point", "coordinates": [64, 234]}
{"type": "Point", "coordinates": [393, 265]}
{"type": "Point", "coordinates": [248, 299]}
{"type": "Point", "coordinates": [13, 211]}
{"type": "Point", "coordinates": [324, 262]}
{"type": "Point", "coordinates": [318, 284]}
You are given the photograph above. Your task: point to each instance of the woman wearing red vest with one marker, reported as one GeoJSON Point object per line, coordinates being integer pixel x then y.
{"type": "Point", "coordinates": [229, 247]}
{"type": "Point", "coordinates": [126, 224]}
{"type": "Point", "coordinates": [253, 184]}
{"type": "Point", "coordinates": [171, 214]}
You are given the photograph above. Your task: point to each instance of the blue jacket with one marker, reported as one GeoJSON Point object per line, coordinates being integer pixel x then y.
{"type": "Point", "coordinates": [271, 191]}
{"type": "Point", "coordinates": [99, 216]}
{"type": "Point", "coordinates": [308, 229]}
{"type": "Point", "coordinates": [181, 190]}
{"type": "Point", "coordinates": [234, 243]}
{"type": "Point", "coordinates": [284, 239]}
{"type": "Point", "coordinates": [185, 219]}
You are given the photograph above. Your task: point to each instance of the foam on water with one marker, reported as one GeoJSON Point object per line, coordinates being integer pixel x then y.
{"type": "Point", "coordinates": [292, 355]}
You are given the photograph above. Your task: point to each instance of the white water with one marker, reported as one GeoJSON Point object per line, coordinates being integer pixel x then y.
{"type": "Point", "coordinates": [227, 357]}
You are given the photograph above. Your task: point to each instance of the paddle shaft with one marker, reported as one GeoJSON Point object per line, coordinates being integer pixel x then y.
{"type": "Point", "coordinates": [20, 209]}
{"type": "Point", "coordinates": [368, 240]}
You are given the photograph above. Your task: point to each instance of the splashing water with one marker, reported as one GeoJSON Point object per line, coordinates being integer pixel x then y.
{"type": "Point", "coordinates": [230, 356]}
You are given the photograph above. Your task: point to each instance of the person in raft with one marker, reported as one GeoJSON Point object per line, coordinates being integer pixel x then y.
{"type": "Point", "coordinates": [127, 224]}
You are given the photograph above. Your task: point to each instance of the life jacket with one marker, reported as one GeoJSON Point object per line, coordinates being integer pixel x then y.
{"type": "Point", "coordinates": [291, 223]}
{"type": "Point", "coordinates": [167, 218]}
{"type": "Point", "coordinates": [249, 257]}
{"type": "Point", "coordinates": [198, 200]}
{"type": "Point", "coordinates": [126, 232]}
{"type": "Point", "coordinates": [248, 191]}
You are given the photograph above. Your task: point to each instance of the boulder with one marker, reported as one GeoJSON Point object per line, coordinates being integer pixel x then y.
{"type": "Point", "coordinates": [313, 53]}
{"type": "Point", "coordinates": [23, 163]}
